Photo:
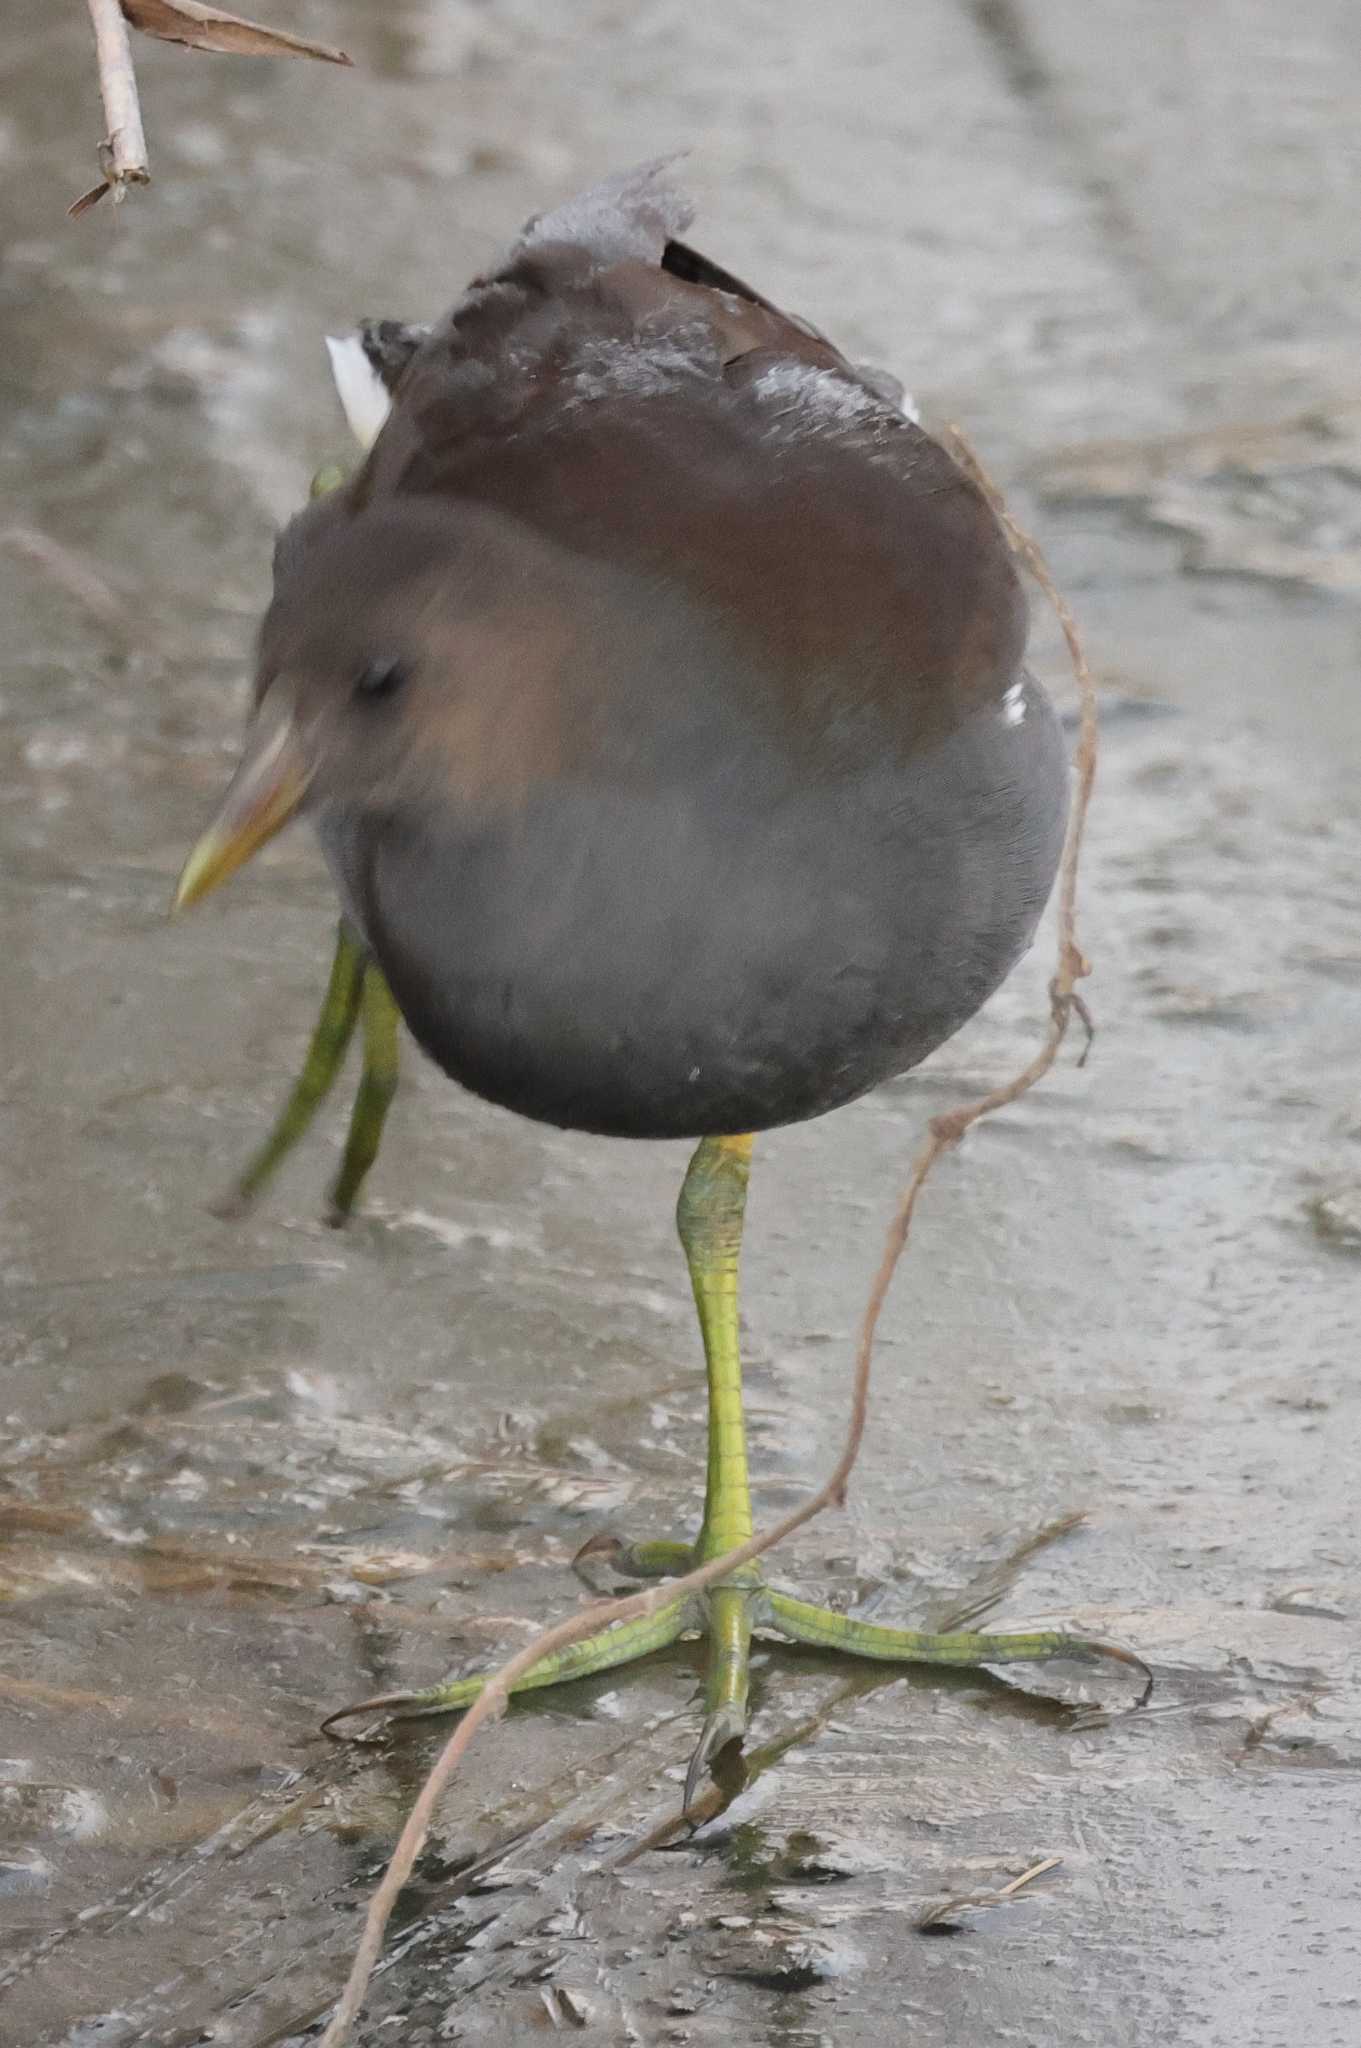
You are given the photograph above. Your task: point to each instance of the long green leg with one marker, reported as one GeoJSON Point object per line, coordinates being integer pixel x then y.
{"type": "Point", "coordinates": [355, 994]}
{"type": "Point", "coordinates": [381, 1021]}
{"type": "Point", "coordinates": [355, 984]}
{"type": "Point", "coordinates": [330, 1041]}
{"type": "Point", "coordinates": [709, 1216]}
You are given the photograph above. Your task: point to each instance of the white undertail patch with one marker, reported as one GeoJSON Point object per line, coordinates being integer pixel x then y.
{"type": "Point", "coordinates": [362, 393]}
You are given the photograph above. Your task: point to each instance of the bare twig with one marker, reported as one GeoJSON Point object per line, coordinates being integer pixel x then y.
{"type": "Point", "coordinates": [946, 1910]}
{"type": "Point", "coordinates": [1072, 965]}
{"type": "Point", "coordinates": [944, 1132]}
{"type": "Point", "coordinates": [80, 579]}
{"type": "Point", "coordinates": [198, 27]}
{"type": "Point", "coordinates": [1258, 1730]}
{"type": "Point", "coordinates": [123, 154]}
{"type": "Point", "coordinates": [1045, 1864]}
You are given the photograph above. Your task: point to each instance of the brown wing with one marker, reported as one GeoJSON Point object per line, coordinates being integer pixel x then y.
{"type": "Point", "coordinates": [630, 400]}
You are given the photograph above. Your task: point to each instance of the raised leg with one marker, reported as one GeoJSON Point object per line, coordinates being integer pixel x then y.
{"type": "Point", "coordinates": [355, 994]}
{"type": "Point", "coordinates": [380, 1022]}
{"type": "Point", "coordinates": [355, 986]}
{"type": "Point", "coordinates": [330, 1042]}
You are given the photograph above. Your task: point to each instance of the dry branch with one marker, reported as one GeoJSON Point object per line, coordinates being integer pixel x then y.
{"type": "Point", "coordinates": [80, 579]}
{"type": "Point", "coordinates": [945, 1915]}
{"type": "Point", "coordinates": [123, 156]}
{"type": "Point", "coordinates": [943, 1133]}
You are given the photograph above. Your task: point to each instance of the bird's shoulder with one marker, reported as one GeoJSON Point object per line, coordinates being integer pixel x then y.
{"type": "Point", "coordinates": [602, 319]}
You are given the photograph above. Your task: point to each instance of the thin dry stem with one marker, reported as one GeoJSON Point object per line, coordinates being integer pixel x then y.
{"type": "Point", "coordinates": [80, 579]}
{"type": "Point", "coordinates": [123, 157]}
{"type": "Point", "coordinates": [946, 1909]}
{"type": "Point", "coordinates": [124, 154]}
{"type": "Point", "coordinates": [944, 1132]}
{"type": "Point", "coordinates": [1045, 1864]}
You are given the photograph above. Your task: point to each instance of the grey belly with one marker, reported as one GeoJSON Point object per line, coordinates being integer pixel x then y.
{"type": "Point", "coordinates": [682, 962]}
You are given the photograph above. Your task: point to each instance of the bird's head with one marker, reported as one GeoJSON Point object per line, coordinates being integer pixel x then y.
{"type": "Point", "coordinates": [402, 660]}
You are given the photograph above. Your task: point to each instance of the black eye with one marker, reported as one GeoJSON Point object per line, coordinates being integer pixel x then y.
{"type": "Point", "coordinates": [382, 678]}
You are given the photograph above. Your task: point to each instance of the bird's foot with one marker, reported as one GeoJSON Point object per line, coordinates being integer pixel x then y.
{"type": "Point", "coordinates": [727, 1615]}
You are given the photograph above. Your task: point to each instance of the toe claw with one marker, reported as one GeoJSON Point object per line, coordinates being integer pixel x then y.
{"type": "Point", "coordinates": [727, 1724]}
{"type": "Point", "coordinates": [381, 1703]}
{"type": "Point", "coordinates": [1119, 1653]}
{"type": "Point", "coordinates": [600, 1549]}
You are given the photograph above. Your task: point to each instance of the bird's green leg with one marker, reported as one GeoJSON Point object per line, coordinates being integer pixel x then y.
{"type": "Point", "coordinates": [355, 994]}
{"type": "Point", "coordinates": [380, 1022]}
{"type": "Point", "coordinates": [710, 1216]}
{"type": "Point", "coordinates": [330, 1041]}
{"type": "Point", "coordinates": [356, 989]}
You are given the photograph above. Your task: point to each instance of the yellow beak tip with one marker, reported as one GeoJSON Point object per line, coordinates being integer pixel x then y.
{"type": "Point", "coordinates": [203, 870]}
{"type": "Point", "coordinates": [262, 796]}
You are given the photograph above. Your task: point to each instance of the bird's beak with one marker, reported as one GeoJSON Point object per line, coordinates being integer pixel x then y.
{"type": "Point", "coordinates": [261, 798]}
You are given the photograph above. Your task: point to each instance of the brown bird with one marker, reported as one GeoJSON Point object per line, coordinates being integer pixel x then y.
{"type": "Point", "coordinates": [656, 688]}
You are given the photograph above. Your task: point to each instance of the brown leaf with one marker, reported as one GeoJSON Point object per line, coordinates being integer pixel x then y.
{"type": "Point", "coordinates": [211, 28]}
{"type": "Point", "coordinates": [87, 200]}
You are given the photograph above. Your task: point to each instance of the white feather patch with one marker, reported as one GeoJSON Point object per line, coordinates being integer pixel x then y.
{"type": "Point", "coordinates": [362, 392]}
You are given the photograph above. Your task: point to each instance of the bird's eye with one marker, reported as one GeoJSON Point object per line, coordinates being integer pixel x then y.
{"type": "Point", "coordinates": [382, 678]}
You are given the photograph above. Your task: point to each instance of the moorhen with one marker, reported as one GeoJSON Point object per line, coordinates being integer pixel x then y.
{"type": "Point", "coordinates": [657, 689]}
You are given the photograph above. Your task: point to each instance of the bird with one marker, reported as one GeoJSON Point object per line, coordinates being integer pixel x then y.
{"type": "Point", "coordinates": [656, 686]}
